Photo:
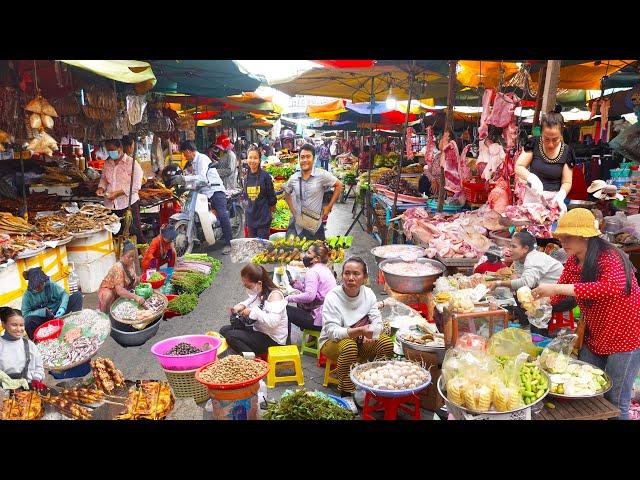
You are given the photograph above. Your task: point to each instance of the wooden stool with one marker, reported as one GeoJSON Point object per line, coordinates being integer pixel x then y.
{"type": "Point", "coordinates": [286, 356]}
{"type": "Point", "coordinates": [390, 405]}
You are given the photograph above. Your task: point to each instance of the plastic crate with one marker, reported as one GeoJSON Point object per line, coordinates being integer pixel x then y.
{"type": "Point", "coordinates": [475, 192]}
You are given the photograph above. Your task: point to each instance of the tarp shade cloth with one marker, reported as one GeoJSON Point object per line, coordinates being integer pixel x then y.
{"type": "Point", "coordinates": [346, 63]}
{"type": "Point", "coordinates": [206, 78]}
{"type": "Point", "coordinates": [126, 71]}
{"type": "Point", "coordinates": [355, 84]}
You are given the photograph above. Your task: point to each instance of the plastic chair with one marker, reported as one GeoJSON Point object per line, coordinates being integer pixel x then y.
{"type": "Point", "coordinates": [314, 349]}
{"type": "Point", "coordinates": [390, 405]}
{"type": "Point", "coordinates": [559, 321]}
{"type": "Point", "coordinates": [286, 356]}
{"type": "Point", "coordinates": [329, 373]}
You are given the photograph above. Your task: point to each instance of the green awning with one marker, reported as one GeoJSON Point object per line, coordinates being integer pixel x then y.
{"type": "Point", "coordinates": [205, 78]}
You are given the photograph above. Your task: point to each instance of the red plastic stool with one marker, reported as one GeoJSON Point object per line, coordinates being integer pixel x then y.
{"type": "Point", "coordinates": [422, 309]}
{"type": "Point", "coordinates": [558, 321]}
{"type": "Point", "coordinates": [263, 356]}
{"type": "Point", "coordinates": [380, 278]}
{"type": "Point", "coordinates": [322, 360]}
{"type": "Point", "coordinates": [390, 406]}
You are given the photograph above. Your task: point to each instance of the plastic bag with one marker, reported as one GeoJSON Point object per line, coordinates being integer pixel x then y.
{"type": "Point", "coordinates": [511, 342]}
{"type": "Point", "coordinates": [469, 341]}
{"type": "Point", "coordinates": [555, 357]}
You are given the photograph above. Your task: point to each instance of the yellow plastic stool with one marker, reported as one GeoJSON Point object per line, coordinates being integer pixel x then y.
{"type": "Point", "coordinates": [329, 372]}
{"type": "Point", "coordinates": [314, 349]}
{"type": "Point", "coordinates": [286, 356]}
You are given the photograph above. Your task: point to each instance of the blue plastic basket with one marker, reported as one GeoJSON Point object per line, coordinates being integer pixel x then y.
{"type": "Point", "coordinates": [433, 205]}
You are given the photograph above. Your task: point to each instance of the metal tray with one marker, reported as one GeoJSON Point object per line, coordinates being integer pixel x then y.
{"type": "Point", "coordinates": [419, 346]}
{"type": "Point", "coordinates": [31, 253]}
{"type": "Point", "coordinates": [457, 262]}
{"type": "Point", "coordinates": [443, 394]}
{"type": "Point", "coordinates": [155, 317]}
{"type": "Point", "coordinates": [420, 251]}
{"type": "Point", "coordinates": [387, 393]}
{"type": "Point", "coordinates": [571, 397]}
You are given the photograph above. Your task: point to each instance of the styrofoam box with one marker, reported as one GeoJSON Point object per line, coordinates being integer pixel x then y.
{"type": "Point", "coordinates": [91, 274]}
{"type": "Point", "coordinates": [90, 254]}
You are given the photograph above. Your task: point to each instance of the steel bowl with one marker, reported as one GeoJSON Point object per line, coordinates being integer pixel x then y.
{"type": "Point", "coordinates": [501, 238]}
{"type": "Point", "coordinates": [420, 251]}
{"type": "Point", "coordinates": [405, 284]}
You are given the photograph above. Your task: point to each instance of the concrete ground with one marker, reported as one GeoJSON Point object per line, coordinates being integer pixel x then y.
{"type": "Point", "coordinates": [211, 314]}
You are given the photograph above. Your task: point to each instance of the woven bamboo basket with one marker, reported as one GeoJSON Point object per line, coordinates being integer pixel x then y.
{"type": "Point", "coordinates": [184, 385]}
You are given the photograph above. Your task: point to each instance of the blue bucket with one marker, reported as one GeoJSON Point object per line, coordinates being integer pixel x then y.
{"type": "Point", "coordinates": [79, 371]}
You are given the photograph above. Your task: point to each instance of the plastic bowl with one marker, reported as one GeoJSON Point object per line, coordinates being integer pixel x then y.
{"type": "Point", "coordinates": [168, 271]}
{"type": "Point", "coordinates": [186, 362]}
{"type": "Point", "coordinates": [170, 313]}
{"type": "Point", "coordinates": [232, 386]}
{"type": "Point", "coordinates": [127, 336]}
{"type": "Point", "coordinates": [156, 284]}
{"type": "Point", "coordinates": [56, 322]}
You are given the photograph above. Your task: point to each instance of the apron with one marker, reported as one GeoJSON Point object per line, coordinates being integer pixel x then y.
{"type": "Point", "coordinates": [27, 356]}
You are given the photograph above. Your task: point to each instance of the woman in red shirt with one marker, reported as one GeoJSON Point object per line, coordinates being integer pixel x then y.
{"type": "Point", "coordinates": [161, 250]}
{"type": "Point", "coordinates": [601, 278]}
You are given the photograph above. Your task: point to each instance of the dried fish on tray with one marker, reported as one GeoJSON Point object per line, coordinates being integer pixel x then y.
{"type": "Point", "coordinates": [91, 217]}
{"type": "Point", "coordinates": [127, 311]}
{"type": "Point", "coordinates": [81, 337]}
{"type": "Point", "coordinates": [14, 225]}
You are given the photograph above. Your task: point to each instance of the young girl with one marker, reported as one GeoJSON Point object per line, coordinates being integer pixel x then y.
{"type": "Point", "coordinates": [260, 195]}
{"type": "Point", "coordinates": [19, 356]}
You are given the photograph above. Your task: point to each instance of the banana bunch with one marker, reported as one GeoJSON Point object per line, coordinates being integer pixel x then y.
{"type": "Point", "coordinates": [291, 242]}
{"type": "Point", "coordinates": [337, 255]}
{"type": "Point", "coordinates": [277, 256]}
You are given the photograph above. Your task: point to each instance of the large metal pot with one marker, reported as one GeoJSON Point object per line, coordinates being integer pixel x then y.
{"type": "Point", "coordinates": [411, 249]}
{"type": "Point", "coordinates": [127, 336]}
{"type": "Point", "coordinates": [404, 284]}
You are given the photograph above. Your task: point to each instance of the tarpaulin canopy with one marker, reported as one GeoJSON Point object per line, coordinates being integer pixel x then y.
{"type": "Point", "coordinates": [472, 73]}
{"type": "Point", "coordinates": [205, 78]}
{"type": "Point", "coordinates": [355, 84]}
{"type": "Point", "coordinates": [126, 71]}
{"type": "Point", "coordinates": [327, 111]}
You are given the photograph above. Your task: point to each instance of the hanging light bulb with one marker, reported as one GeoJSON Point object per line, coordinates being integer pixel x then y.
{"type": "Point", "coordinates": [391, 100]}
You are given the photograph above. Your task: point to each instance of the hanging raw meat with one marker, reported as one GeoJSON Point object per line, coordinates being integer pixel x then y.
{"type": "Point", "coordinates": [510, 134]}
{"type": "Point", "coordinates": [483, 130]}
{"type": "Point", "coordinates": [499, 198]}
{"type": "Point", "coordinates": [464, 170]}
{"type": "Point", "coordinates": [450, 162]}
{"type": "Point", "coordinates": [409, 146]}
{"type": "Point", "coordinates": [495, 155]}
{"type": "Point", "coordinates": [430, 148]}
{"type": "Point", "coordinates": [503, 109]}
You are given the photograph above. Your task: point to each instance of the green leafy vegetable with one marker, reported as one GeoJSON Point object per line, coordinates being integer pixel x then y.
{"type": "Point", "coordinates": [184, 303]}
{"type": "Point", "coordinates": [303, 406]}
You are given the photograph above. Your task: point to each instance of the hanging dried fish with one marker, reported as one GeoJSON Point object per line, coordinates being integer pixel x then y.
{"type": "Point", "coordinates": [136, 105]}
{"type": "Point", "coordinates": [39, 104]}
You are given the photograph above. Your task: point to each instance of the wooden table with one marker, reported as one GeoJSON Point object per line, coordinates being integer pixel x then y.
{"type": "Point", "coordinates": [594, 408]}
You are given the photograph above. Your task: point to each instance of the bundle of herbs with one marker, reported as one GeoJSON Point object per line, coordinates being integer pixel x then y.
{"type": "Point", "coordinates": [302, 405]}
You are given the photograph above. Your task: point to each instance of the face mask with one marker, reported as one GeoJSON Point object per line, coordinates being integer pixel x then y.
{"type": "Point", "coordinates": [307, 261]}
{"type": "Point", "coordinates": [255, 290]}
{"type": "Point", "coordinates": [114, 155]}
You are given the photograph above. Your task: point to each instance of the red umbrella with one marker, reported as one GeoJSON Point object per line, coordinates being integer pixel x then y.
{"type": "Point", "coordinates": [346, 63]}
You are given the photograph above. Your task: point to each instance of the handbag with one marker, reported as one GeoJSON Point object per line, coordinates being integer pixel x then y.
{"type": "Point", "coordinates": [361, 323]}
{"type": "Point", "coordinates": [308, 219]}
{"type": "Point", "coordinates": [240, 322]}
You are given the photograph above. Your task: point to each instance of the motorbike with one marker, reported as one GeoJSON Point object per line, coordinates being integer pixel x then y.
{"type": "Point", "coordinates": [196, 224]}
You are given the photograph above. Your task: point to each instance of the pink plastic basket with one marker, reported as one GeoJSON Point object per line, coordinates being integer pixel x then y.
{"type": "Point", "coordinates": [186, 362]}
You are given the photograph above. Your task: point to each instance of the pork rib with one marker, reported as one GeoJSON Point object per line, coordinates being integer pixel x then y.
{"type": "Point", "coordinates": [483, 130]}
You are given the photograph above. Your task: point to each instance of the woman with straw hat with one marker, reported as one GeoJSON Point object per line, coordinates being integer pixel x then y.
{"type": "Point", "coordinates": [601, 278]}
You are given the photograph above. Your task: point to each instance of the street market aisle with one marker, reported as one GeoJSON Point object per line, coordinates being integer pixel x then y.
{"type": "Point", "coordinates": [212, 314]}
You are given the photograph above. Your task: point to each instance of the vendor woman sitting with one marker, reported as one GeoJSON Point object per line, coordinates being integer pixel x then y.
{"type": "Point", "coordinates": [20, 359]}
{"type": "Point", "coordinates": [350, 319]}
{"type": "Point", "coordinates": [120, 280]}
{"type": "Point", "coordinates": [161, 250]}
{"type": "Point", "coordinates": [45, 300]}
{"type": "Point", "coordinates": [494, 261]}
